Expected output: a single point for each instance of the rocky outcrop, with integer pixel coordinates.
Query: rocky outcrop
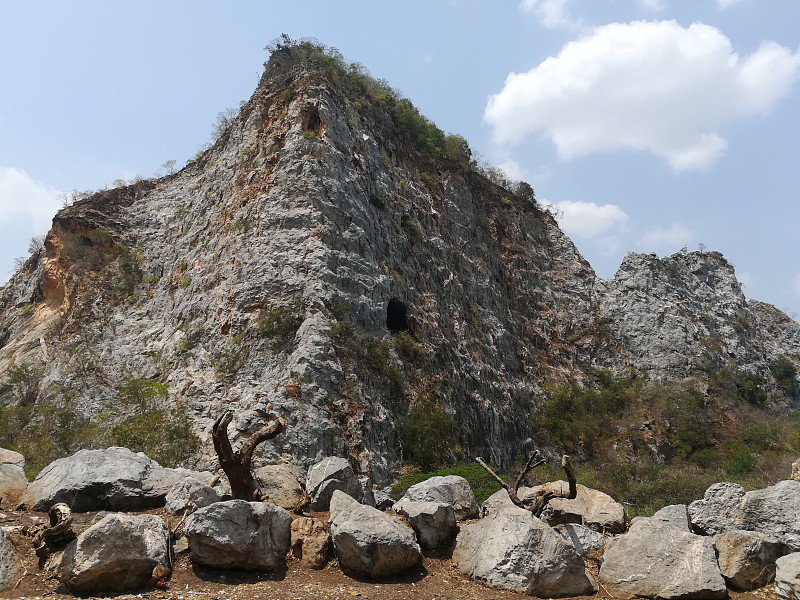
(512, 549)
(747, 558)
(452, 490)
(112, 479)
(368, 542)
(117, 554)
(773, 510)
(584, 540)
(240, 535)
(327, 476)
(661, 558)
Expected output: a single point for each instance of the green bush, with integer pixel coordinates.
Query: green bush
(141, 392)
(426, 434)
(23, 382)
(280, 323)
(784, 371)
(409, 349)
(227, 361)
(167, 438)
(483, 485)
(377, 201)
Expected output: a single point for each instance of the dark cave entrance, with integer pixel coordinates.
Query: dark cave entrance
(397, 317)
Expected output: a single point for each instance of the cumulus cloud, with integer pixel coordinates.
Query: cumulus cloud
(553, 14)
(665, 240)
(602, 224)
(23, 197)
(648, 86)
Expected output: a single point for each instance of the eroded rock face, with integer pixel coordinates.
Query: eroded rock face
(747, 558)
(512, 549)
(117, 554)
(368, 542)
(661, 559)
(773, 510)
(10, 564)
(240, 535)
(451, 489)
(112, 479)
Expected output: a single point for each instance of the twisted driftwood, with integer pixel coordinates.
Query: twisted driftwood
(543, 496)
(237, 464)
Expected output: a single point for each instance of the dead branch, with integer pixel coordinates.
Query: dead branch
(544, 495)
(237, 464)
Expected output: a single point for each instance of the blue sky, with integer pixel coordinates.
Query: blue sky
(649, 124)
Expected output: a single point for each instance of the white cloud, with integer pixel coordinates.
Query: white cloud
(602, 224)
(21, 197)
(553, 14)
(647, 86)
(663, 240)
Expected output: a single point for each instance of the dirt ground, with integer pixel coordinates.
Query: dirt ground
(435, 579)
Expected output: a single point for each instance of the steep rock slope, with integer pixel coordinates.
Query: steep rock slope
(314, 264)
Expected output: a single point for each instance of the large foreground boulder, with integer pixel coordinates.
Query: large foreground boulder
(512, 549)
(773, 510)
(10, 564)
(451, 489)
(12, 474)
(747, 558)
(327, 476)
(787, 577)
(188, 495)
(368, 542)
(237, 534)
(111, 479)
(660, 558)
(117, 554)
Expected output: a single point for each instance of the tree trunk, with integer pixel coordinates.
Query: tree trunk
(237, 464)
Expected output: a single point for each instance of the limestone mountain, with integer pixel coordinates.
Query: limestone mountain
(334, 258)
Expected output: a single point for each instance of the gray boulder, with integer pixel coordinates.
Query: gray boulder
(747, 558)
(281, 484)
(237, 534)
(787, 577)
(433, 522)
(368, 542)
(327, 476)
(12, 474)
(452, 490)
(512, 549)
(117, 554)
(674, 515)
(773, 510)
(111, 479)
(383, 499)
(188, 495)
(584, 540)
(659, 558)
(10, 565)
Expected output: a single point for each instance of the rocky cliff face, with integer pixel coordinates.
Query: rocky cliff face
(313, 264)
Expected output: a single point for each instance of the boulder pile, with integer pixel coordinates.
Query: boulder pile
(728, 540)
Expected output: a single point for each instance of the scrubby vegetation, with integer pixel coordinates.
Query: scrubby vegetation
(427, 434)
(280, 323)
